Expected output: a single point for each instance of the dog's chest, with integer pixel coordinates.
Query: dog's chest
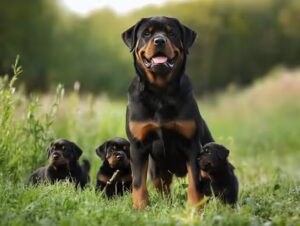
(164, 116)
(162, 111)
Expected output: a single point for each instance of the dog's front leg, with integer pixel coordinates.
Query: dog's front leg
(194, 188)
(139, 165)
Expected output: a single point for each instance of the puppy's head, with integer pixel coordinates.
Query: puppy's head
(213, 158)
(116, 152)
(63, 152)
(160, 45)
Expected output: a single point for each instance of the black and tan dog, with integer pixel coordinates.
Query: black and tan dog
(162, 118)
(114, 175)
(63, 155)
(217, 174)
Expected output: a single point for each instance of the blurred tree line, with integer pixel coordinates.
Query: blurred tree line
(237, 42)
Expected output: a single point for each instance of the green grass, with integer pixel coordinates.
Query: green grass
(260, 125)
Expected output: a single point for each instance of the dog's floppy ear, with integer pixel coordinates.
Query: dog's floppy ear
(101, 150)
(76, 151)
(48, 149)
(128, 149)
(129, 36)
(223, 152)
(188, 37)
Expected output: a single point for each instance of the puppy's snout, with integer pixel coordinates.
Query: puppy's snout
(159, 40)
(206, 165)
(56, 155)
(120, 156)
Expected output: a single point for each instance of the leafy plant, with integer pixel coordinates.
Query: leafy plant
(23, 137)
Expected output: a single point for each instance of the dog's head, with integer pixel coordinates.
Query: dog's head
(116, 152)
(63, 152)
(213, 158)
(160, 46)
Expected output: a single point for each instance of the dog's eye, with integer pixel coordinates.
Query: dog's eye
(125, 148)
(147, 34)
(114, 147)
(63, 147)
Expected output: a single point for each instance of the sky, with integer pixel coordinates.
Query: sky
(84, 7)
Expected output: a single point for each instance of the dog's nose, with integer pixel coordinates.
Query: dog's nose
(206, 166)
(159, 41)
(56, 155)
(120, 156)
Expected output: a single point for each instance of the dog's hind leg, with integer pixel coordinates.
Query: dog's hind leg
(161, 179)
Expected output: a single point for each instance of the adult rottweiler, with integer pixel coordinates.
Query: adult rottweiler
(162, 118)
(63, 155)
(217, 173)
(114, 175)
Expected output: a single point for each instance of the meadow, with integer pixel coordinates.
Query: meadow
(259, 124)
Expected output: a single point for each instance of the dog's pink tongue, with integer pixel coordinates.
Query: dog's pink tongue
(160, 59)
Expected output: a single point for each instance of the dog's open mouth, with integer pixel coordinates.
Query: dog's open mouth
(159, 59)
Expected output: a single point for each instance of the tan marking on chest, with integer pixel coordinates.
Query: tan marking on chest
(140, 130)
(186, 128)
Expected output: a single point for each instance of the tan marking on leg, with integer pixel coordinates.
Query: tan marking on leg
(194, 196)
(162, 186)
(157, 183)
(140, 195)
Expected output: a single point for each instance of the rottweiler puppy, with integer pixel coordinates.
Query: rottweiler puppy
(63, 156)
(163, 120)
(217, 174)
(114, 175)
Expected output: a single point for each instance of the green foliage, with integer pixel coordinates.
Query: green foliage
(237, 42)
(22, 137)
(261, 133)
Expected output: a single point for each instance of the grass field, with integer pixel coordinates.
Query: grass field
(260, 125)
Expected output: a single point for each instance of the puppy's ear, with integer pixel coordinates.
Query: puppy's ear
(223, 152)
(76, 151)
(130, 35)
(202, 150)
(188, 37)
(48, 149)
(101, 150)
(128, 150)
